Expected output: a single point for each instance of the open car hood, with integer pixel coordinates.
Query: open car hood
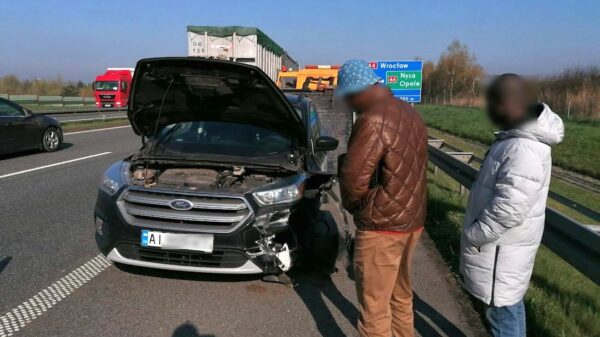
(195, 89)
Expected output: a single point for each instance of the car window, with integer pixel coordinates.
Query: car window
(106, 85)
(8, 110)
(222, 138)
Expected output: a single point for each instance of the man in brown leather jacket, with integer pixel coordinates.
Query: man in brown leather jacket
(383, 183)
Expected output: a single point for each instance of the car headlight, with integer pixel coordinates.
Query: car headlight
(279, 196)
(115, 177)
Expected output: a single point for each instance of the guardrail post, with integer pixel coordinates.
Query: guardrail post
(103, 117)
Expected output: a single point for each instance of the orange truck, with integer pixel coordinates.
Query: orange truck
(311, 78)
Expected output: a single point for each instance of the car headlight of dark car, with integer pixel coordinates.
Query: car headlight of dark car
(281, 195)
(115, 177)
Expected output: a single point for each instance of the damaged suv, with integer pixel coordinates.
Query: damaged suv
(229, 173)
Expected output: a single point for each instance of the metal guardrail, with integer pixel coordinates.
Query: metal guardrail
(82, 110)
(50, 100)
(569, 239)
(565, 201)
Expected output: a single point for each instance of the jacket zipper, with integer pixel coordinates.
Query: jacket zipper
(494, 274)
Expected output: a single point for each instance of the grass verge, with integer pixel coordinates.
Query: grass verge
(560, 302)
(90, 125)
(578, 151)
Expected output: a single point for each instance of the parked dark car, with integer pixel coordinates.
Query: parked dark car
(229, 177)
(21, 129)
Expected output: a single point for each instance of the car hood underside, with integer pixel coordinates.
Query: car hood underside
(173, 90)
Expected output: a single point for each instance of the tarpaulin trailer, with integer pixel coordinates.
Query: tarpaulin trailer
(240, 44)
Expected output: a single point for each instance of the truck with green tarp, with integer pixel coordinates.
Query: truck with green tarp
(240, 44)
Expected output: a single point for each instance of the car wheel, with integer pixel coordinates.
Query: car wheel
(51, 140)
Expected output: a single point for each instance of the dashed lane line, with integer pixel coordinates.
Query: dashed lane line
(96, 130)
(52, 165)
(17, 318)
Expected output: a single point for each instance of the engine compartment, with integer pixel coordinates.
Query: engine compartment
(235, 179)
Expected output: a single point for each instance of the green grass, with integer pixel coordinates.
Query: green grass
(560, 302)
(578, 151)
(90, 125)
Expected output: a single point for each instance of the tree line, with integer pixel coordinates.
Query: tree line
(12, 85)
(457, 79)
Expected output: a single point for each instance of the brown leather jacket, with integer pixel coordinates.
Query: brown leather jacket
(390, 138)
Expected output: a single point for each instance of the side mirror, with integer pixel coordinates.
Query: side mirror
(325, 143)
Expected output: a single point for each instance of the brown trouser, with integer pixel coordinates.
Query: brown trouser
(383, 264)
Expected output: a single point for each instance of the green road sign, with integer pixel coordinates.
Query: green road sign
(404, 80)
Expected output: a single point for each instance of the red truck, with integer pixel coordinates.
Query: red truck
(112, 88)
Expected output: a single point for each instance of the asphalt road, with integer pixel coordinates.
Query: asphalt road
(53, 283)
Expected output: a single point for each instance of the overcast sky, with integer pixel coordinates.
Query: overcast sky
(79, 39)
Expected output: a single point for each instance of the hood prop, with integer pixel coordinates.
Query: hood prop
(152, 150)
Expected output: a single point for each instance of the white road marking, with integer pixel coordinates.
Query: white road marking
(52, 165)
(17, 318)
(96, 130)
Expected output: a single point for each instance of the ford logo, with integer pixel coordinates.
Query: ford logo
(181, 204)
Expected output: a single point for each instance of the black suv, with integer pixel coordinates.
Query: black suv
(227, 177)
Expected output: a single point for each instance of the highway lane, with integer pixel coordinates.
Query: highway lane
(46, 224)
(46, 232)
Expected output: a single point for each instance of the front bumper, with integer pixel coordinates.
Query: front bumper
(233, 252)
(248, 267)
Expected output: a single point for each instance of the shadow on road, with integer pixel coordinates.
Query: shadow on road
(311, 288)
(4, 261)
(427, 319)
(188, 330)
(63, 146)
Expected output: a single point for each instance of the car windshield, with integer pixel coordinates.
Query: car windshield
(107, 85)
(219, 138)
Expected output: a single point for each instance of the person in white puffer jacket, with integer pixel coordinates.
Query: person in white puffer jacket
(504, 221)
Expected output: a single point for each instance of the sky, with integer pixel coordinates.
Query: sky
(80, 39)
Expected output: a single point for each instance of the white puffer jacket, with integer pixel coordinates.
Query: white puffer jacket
(504, 221)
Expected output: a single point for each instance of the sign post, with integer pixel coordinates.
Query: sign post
(404, 78)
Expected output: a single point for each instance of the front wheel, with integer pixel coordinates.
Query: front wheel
(51, 140)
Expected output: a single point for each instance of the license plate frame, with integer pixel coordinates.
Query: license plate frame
(177, 241)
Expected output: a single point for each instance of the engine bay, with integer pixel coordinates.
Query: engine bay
(235, 179)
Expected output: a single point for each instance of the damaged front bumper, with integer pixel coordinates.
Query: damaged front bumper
(265, 244)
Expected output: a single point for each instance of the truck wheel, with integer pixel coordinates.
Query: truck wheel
(51, 140)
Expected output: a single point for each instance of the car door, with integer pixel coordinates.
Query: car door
(15, 128)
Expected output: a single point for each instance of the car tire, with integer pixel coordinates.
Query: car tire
(52, 139)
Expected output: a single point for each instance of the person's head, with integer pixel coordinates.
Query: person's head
(359, 85)
(509, 100)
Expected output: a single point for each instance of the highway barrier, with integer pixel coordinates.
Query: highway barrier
(51, 100)
(574, 242)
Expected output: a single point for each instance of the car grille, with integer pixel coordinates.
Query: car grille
(108, 97)
(216, 259)
(209, 213)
